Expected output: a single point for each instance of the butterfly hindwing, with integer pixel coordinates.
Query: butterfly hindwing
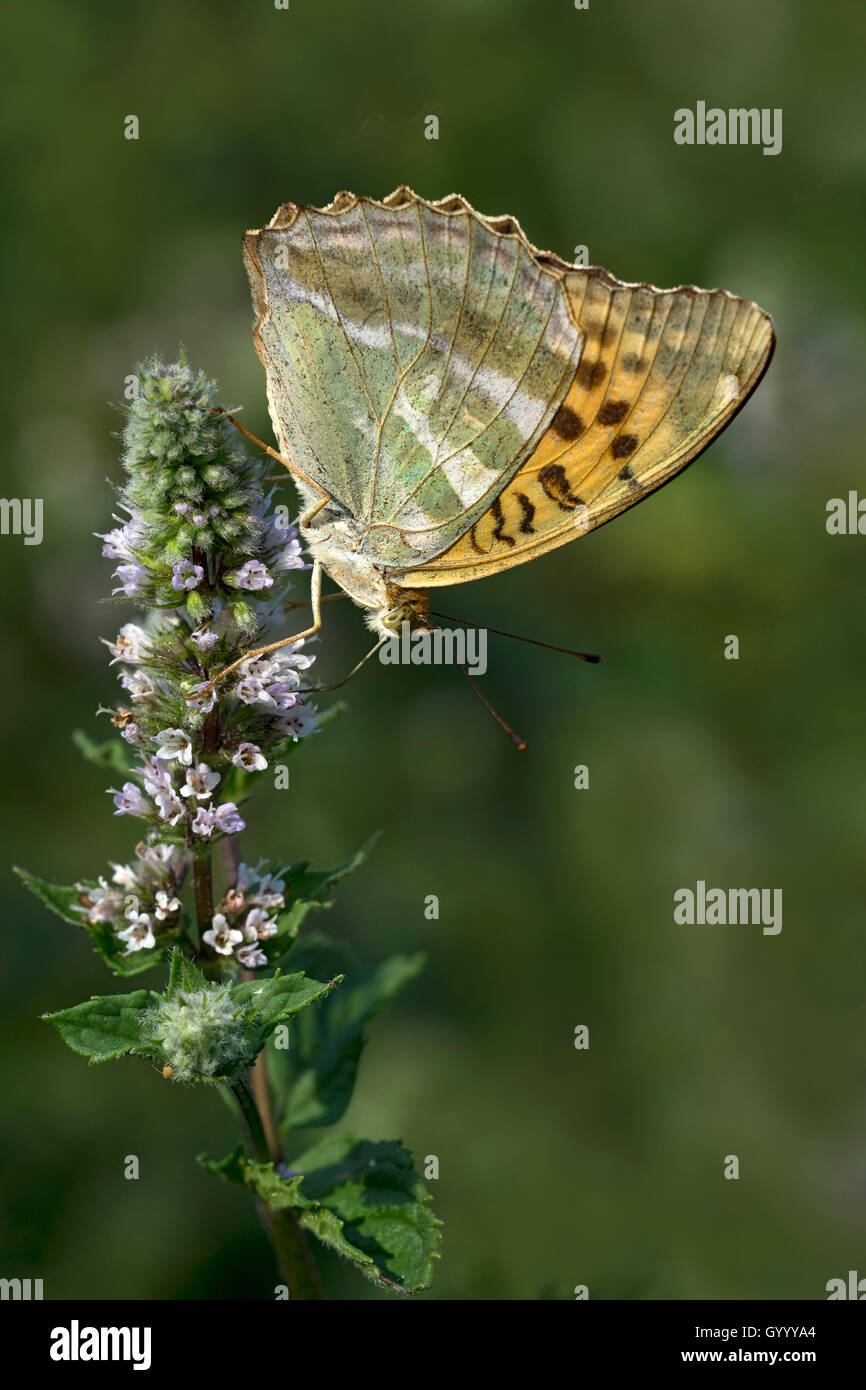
(416, 355)
(661, 374)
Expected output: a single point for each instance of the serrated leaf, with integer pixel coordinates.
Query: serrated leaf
(308, 888)
(113, 754)
(106, 1026)
(183, 974)
(381, 1202)
(232, 1168)
(64, 901)
(361, 1199)
(321, 1063)
(276, 1000)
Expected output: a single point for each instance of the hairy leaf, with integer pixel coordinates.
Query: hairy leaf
(106, 1026)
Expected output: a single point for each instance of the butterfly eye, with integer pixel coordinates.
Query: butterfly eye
(168, 1071)
(395, 619)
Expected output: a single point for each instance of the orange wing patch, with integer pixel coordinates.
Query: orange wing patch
(661, 374)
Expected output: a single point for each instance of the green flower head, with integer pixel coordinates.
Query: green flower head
(199, 1034)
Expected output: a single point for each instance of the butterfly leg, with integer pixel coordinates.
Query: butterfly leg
(272, 453)
(316, 600)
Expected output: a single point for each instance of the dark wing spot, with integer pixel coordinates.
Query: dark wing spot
(528, 510)
(632, 363)
(474, 542)
(554, 481)
(623, 445)
(591, 374)
(612, 412)
(567, 423)
(498, 533)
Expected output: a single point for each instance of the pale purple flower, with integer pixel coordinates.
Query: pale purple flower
(221, 936)
(156, 777)
(124, 875)
(259, 667)
(292, 658)
(174, 743)
(171, 808)
(130, 801)
(162, 859)
(139, 686)
(139, 934)
(299, 723)
(228, 818)
(283, 694)
(115, 547)
(131, 645)
(166, 905)
(290, 557)
(203, 822)
(123, 540)
(250, 758)
(251, 957)
(202, 701)
(105, 903)
(200, 782)
(270, 890)
(133, 578)
(252, 575)
(252, 692)
(186, 575)
(131, 733)
(205, 638)
(258, 925)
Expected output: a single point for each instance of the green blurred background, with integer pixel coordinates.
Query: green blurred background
(558, 1167)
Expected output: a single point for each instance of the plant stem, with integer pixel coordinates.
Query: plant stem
(203, 893)
(294, 1257)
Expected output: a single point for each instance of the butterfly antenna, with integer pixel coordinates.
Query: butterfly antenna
(519, 743)
(533, 641)
(318, 689)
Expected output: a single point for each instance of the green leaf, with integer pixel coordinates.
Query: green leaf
(381, 1205)
(104, 1027)
(233, 1168)
(113, 754)
(277, 1000)
(308, 888)
(361, 1199)
(322, 1060)
(184, 975)
(66, 903)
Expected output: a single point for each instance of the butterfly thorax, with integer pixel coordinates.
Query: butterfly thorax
(337, 544)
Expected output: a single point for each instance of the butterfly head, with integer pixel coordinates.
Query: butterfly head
(402, 606)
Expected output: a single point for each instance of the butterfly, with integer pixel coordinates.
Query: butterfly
(452, 402)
